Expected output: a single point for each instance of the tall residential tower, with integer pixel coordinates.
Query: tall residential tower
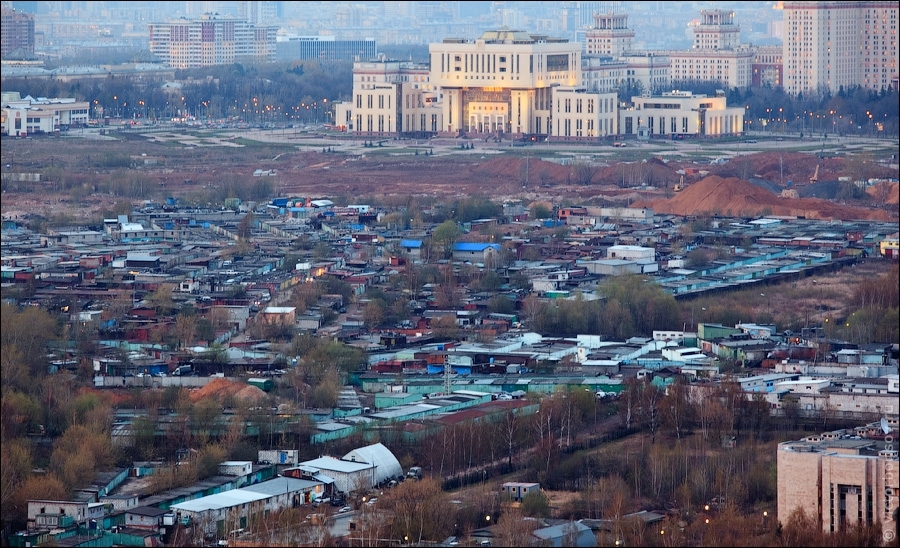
(829, 45)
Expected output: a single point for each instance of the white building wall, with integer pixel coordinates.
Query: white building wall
(578, 113)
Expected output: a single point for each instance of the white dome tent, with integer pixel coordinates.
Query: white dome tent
(387, 467)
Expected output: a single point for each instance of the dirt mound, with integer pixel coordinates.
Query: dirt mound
(250, 394)
(886, 193)
(714, 195)
(514, 168)
(219, 389)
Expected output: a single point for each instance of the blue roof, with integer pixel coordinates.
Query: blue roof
(474, 246)
(411, 243)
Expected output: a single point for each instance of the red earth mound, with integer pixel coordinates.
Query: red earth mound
(219, 389)
(733, 197)
(888, 193)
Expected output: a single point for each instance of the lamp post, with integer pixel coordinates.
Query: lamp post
(768, 308)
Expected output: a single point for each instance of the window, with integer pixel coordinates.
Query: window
(558, 62)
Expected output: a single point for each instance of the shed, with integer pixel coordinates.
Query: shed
(263, 384)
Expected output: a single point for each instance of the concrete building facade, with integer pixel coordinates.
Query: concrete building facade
(16, 31)
(610, 35)
(391, 97)
(502, 82)
(323, 48)
(829, 45)
(839, 481)
(210, 40)
(679, 114)
(716, 55)
(580, 114)
(28, 116)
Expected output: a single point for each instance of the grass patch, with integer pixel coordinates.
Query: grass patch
(250, 143)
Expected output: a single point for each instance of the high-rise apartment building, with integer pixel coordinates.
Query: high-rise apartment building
(259, 12)
(17, 31)
(210, 40)
(829, 45)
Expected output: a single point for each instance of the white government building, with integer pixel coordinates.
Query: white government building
(512, 84)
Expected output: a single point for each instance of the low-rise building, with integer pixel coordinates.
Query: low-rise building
(839, 481)
(680, 114)
(232, 509)
(28, 116)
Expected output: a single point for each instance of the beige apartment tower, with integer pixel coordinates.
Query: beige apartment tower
(211, 40)
(830, 45)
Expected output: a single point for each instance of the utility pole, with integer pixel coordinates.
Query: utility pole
(782, 167)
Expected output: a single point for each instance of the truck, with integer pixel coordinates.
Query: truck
(415, 472)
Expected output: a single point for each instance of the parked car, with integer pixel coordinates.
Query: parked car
(344, 510)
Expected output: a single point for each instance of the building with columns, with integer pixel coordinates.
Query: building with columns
(610, 35)
(512, 84)
(680, 114)
(390, 98)
(502, 82)
(717, 54)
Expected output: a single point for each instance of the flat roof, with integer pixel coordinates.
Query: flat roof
(251, 493)
(336, 465)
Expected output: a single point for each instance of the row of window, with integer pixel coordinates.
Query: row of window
(370, 101)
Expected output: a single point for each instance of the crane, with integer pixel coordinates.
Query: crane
(815, 176)
(680, 186)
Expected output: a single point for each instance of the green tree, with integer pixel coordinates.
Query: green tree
(445, 234)
(540, 211)
(535, 504)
